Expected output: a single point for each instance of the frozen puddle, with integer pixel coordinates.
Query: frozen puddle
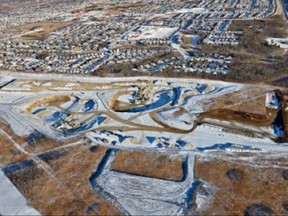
(142, 195)
(12, 201)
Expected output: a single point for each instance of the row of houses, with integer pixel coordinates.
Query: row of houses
(90, 41)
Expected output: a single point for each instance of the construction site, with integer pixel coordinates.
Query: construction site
(143, 107)
(127, 122)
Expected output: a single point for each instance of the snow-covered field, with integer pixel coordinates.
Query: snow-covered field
(12, 202)
(138, 195)
(151, 32)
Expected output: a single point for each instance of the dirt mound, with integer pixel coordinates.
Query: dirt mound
(49, 99)
(234, 174)
(93, 148)
(285, 174)
(241, 117)
(285, 207)
(258, 210)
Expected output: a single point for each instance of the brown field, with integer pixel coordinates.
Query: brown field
(254, 60)
(110, 9)
(241, 117)
(253, 55)
(40, 35)
(40, 144)
(258, 185)
(251, 99)
(114, 10)
(241, 107)
(9, 154)
(6, 128)
(43, 144)
(149, 164)
(69, 192)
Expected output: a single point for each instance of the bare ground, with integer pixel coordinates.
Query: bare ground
(149, 164)
(264, 184)
(68, 192)
(47, 27)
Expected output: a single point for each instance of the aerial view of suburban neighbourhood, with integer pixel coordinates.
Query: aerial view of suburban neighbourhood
(144, 107)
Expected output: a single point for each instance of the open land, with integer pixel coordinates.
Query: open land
(103, 142)
(150, 164)
(92, 121)
(245, 182)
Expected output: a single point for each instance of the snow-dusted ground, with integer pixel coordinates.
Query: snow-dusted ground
(5, 79)
(140, 129)
(138, 195)
(11, 98)
(202, 199)
(151, 32)
(191, 10)
(12, 202)
(18, 123)
(184, 121)
(281, 42)
(182, 51)
(174, 103)
(89, 79)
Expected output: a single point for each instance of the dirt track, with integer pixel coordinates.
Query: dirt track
(241, 117)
